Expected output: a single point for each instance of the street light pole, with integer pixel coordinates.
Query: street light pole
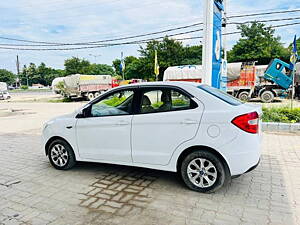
(95, 56)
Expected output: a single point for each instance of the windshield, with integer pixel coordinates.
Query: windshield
(221, 95)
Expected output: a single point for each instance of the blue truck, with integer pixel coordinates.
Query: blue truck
(280, 75)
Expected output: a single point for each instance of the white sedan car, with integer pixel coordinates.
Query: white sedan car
(205, 135)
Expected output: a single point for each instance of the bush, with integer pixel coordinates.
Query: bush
(24, 87)
(283, 115)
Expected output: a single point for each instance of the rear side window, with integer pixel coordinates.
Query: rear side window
(164, 100)
(221, 95)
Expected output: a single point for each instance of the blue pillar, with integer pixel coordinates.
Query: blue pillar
(217, 43)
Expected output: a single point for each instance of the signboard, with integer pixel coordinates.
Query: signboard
(212, 46)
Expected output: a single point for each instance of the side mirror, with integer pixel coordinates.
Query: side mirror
(83, 113)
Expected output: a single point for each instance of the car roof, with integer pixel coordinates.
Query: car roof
(164, 83)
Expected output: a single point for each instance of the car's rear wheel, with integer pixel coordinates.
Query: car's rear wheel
(203, 171)
(61, 155)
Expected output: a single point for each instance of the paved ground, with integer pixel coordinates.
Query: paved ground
(32, 192)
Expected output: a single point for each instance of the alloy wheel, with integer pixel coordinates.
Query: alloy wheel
(59, 155)
(202, 172)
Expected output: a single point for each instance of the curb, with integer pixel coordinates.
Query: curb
(285, 127)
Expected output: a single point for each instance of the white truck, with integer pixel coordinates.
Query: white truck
(54, 84)
(4, 91)
(87, 86)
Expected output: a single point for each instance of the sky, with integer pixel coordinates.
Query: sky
(71, 21)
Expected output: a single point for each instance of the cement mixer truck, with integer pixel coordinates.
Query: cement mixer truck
(244, 80)
(4, 91)
(87, 86)
(265, 82)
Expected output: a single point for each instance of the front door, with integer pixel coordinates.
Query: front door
(167, 118)
(105, 133)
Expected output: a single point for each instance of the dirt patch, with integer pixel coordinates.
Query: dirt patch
(14, 112)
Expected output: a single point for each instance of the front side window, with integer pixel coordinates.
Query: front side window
(118, 103)
(164, 100)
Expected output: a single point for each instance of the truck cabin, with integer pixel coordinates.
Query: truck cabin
(279, 72)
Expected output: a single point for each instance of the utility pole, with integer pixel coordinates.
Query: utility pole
(18, 71)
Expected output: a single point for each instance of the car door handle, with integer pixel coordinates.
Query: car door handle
(122, 123)
(187, 122)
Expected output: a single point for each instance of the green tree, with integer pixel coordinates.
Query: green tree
(32, 74)
(101, 69)
(76, 65)
(258, 43)
(128, 60)
(134, 69)
(170, 53)
(192, 55)
(116, 64)
(7, 76)
(23, 76)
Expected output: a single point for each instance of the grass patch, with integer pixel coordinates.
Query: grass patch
(60, 100)
(282, 115)
(30, 90)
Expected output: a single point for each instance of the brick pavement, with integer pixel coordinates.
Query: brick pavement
(32, 192)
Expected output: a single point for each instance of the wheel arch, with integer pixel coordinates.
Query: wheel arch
(53, 139)
(202, 147)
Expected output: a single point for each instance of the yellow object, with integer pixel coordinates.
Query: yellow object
(124, 82)
(88, 77)
(156, 66)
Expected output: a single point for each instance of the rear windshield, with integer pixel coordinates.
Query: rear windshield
(221, 95)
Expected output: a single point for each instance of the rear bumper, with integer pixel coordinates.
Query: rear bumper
(243, 154)
(249, 170)
(253, 167)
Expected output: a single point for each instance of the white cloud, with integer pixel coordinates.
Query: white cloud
(89, 20)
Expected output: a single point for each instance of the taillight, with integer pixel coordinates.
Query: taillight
(247, 122)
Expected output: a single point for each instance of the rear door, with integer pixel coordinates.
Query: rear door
(167, 117)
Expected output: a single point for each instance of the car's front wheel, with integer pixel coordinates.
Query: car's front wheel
(61, 155)
(203, 171)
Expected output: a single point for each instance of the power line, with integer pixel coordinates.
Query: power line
(107, 40)
(136, 36)
(106, 45)
(97, 43)
(265, 21)
(265, 13)
(127, 43)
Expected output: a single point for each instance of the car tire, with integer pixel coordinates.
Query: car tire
(244, 96)
(61, 155)
(267, 96)
(208, 177)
